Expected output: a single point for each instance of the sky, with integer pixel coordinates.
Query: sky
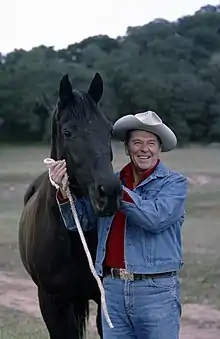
(59, 23)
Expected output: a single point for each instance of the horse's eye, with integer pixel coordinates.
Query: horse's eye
(67, 134)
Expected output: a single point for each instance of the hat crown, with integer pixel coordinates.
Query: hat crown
(149, 118)
(147, 121)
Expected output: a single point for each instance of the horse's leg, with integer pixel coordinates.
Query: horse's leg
(99, 320)
(58, 316)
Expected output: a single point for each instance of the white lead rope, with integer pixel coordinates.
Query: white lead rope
(48, 162)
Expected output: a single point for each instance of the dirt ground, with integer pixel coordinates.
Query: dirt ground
(198, 321)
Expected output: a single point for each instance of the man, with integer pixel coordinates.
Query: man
(139, 249)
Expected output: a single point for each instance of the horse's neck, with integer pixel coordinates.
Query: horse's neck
(76, 191)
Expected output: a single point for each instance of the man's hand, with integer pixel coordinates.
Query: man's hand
(57, 172)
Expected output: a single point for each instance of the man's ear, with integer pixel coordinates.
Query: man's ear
(126, 149)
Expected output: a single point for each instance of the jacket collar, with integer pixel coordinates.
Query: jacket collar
(160, 171)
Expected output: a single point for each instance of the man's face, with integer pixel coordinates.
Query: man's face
(144, 149)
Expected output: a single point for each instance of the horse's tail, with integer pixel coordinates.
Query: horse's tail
(82, 315)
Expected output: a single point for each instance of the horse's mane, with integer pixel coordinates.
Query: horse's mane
(80, 105)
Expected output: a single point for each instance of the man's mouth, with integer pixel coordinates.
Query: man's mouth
(144, 157)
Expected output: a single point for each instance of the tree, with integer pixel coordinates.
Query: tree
(170, 67)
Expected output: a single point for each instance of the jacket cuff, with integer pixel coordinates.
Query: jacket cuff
(60, 198)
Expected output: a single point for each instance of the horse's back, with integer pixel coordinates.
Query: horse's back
(31, 202)
(33, 187)
(28, 220)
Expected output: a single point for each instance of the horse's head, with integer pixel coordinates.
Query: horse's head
(81, 135)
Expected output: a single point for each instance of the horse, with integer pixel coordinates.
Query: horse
(53, 256)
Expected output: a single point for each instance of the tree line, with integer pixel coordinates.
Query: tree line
(170, 67)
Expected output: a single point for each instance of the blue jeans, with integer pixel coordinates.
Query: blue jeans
(142, 309)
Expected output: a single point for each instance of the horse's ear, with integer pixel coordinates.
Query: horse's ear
(96, 88)
(65, 90)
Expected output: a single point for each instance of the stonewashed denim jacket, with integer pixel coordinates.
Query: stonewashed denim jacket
(153, 223)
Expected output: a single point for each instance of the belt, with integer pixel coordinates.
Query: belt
(123, 274)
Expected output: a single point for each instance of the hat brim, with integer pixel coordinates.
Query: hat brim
(130, 122)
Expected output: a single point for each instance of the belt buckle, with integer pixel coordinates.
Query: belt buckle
(125, 275)
(112, 273)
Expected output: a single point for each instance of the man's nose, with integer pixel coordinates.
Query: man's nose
(145, 147)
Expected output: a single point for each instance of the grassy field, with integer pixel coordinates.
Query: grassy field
(201, 232)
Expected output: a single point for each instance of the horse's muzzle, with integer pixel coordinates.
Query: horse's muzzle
(106, 199)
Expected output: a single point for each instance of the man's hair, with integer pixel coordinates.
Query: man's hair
(128, 136)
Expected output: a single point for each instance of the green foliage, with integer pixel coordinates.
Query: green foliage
(170, 67)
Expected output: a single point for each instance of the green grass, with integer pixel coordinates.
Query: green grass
(201, 231)
(15, 324)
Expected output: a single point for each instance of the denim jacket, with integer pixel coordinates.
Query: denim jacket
(153, 223)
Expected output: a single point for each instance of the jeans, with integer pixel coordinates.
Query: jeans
(142, 309)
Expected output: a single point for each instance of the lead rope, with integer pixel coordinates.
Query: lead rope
(48, 162)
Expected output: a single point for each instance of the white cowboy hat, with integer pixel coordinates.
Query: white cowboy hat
(147, 121)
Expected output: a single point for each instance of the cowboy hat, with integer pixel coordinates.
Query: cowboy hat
(147, 121)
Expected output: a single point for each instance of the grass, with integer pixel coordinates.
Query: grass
(201, 232)
(15, 324)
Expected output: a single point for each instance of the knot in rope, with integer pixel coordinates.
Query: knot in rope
(65, 186)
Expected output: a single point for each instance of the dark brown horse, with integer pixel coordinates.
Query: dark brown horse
(52, 255)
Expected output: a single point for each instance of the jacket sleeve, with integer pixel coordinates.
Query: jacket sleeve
(155, 215)
(86, 215)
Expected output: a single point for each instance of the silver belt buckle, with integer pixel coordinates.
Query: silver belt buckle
(125, 275)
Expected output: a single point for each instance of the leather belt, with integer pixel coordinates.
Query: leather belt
(123, 274)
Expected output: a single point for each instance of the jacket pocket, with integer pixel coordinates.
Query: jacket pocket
(149, 194)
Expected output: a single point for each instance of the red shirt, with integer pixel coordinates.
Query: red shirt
(115, 242)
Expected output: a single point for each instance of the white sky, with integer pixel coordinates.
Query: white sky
(28, 23)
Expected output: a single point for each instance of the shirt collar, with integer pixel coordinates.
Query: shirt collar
(126, 174)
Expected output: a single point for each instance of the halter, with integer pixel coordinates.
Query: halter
(48, 162)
